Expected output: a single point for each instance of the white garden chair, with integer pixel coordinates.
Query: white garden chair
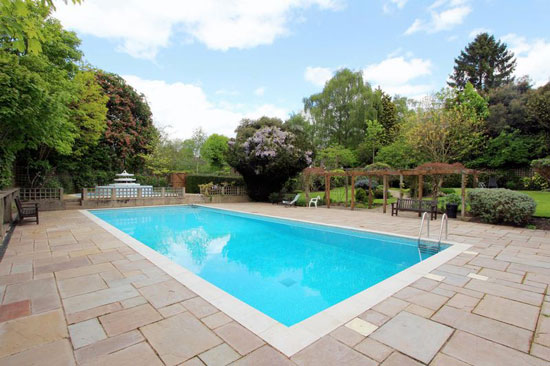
(314, 201)
(291, 203)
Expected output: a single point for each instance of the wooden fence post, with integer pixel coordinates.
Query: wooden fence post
(163, 192)
(84, 194)
(113, 193)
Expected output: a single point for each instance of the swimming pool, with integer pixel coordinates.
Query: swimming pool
(288, 270)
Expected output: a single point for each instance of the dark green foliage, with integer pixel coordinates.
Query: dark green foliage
(538, 108)
(485, 62)
(192, 181)
(510, 149)
(447, 190)
(501, 206)
(361, 195)
(388, 118)
(364, 183)
(378, 192)
(508, 108)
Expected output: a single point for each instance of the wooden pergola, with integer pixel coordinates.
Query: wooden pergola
(430, 169)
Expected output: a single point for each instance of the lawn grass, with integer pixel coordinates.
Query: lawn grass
(338, 195)
(543, 202)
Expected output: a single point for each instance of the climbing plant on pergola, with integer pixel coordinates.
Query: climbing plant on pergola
(429, 169)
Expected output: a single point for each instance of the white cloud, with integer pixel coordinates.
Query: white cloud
(260, 91)
(142, 27)
(318, 75)
(477, 31)
(444, 16)
(181, 108)
(389, 5)
(395, 75)
(533, 58)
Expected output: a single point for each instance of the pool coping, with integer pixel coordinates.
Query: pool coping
(288, 340)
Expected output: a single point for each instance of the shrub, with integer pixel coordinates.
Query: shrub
(501, 206)
(267, 154)
(535, 183)
(378, 166)
(193, 181)
(447, 190)
(364, 183)
(379, 192)
(542, 166)
(452, 198)
(361, 195)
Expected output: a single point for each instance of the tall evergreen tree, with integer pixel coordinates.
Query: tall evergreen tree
(485, 62)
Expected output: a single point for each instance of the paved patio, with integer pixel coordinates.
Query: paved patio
(72, 293)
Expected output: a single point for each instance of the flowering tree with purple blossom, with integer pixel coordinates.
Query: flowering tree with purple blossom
(266, 154)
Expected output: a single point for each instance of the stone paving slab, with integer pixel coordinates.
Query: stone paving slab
(413, 335)
(70, 272)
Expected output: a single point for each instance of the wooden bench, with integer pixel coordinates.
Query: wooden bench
(26, 210)
(420, 206)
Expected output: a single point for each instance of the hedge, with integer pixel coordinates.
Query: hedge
(501, 206)
(192, 181)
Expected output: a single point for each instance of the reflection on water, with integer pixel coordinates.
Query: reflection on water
(192, 247)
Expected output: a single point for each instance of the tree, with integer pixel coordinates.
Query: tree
(508, 108)
(400, 155)
(266, 154)
(339, 112)
(538, 108)
(510, 149)
(388, 119)
(130, 128)
(336, 157)
(42, 98)
(373, 141)
(214, 150)
(485, 62)
(445, 135)
(20, 30)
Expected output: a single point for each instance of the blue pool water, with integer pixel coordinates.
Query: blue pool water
(286, 269)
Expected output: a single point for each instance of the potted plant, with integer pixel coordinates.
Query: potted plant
(451, 204)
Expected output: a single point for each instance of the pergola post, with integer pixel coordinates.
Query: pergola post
(385, 180)
(353, 192)
(370, 191)
(327, 189)
(400, 185)
(420, 188)
(476, 180)
(346, 180)
(306, 188)
(463, 195)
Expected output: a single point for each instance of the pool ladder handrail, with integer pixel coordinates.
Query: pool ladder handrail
(422, 226)
(444, 220)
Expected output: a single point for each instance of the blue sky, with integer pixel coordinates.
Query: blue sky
(210, 63)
